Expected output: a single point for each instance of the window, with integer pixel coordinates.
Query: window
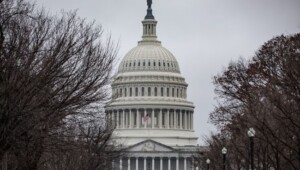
(162, 91)
(125, 90)
(154, 64)
(173, 92)
(139, 64)
(136, 91)
(164, 64)
(159, 64)
(149, 91)
(168, 65)
(149, 63)
(144, 63)
(130, 91)
(121, 93)
(168, 92)
(129, 64)
(177, 93)
(134, 64)
(155, 91)
(143, 91)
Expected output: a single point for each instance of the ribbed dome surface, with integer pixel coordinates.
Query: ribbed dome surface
(149, 57)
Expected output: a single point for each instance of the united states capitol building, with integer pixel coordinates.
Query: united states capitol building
(149, 109)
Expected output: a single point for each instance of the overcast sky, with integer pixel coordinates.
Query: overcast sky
(204, 35)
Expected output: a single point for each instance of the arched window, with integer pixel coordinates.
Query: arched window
(149, 91)
(136, 91)
(162, 91)
(143, 91)
(155, 91)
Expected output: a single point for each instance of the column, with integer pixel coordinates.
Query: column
(153, 163)
(175, 119)
(169, 163)
(121, 164)
(128, 163)
(184, 163)
(193, 164)
(137, 118)
(180, 118)
(160, 118)
(152, 118)
(118, 113)
(145, 163)
(192, 120)
(130, 119)
(185, 120)
(123, 119)
(188, 120)
(177, 163)
(161, 163)
(136, 163)
(145, 123)
(113, 165)
(168, 119)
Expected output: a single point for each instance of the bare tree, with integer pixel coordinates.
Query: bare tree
(54, 70)
(263, 93)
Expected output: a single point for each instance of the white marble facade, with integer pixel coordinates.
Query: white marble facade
(149, 109)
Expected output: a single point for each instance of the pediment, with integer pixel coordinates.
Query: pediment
(150, 146)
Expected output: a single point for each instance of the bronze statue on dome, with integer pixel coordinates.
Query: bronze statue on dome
(149, 3)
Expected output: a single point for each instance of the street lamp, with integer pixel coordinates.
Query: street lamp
(224, 152)
(251, 134)
(207, 163)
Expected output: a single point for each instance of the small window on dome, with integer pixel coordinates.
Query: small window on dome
(168, 92)
(164, 64)
(158, 64)
(134, 64)
(130, 92)
(139, 64)
(173, 92)
(136, 91)
(162, 91)
(177, 93)
(129, 64)
(155, 91)
(154, 64)
(168, 65)
(149, 63)
(125, 90)
(144, 63)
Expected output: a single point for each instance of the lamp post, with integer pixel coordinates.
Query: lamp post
(207, 163)
(224, 152)
(251, 134)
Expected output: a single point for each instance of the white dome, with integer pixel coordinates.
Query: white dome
(149, 56)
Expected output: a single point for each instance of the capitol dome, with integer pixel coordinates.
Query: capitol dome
(149, 98)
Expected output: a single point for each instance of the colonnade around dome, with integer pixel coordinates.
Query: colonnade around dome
(151, 118)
